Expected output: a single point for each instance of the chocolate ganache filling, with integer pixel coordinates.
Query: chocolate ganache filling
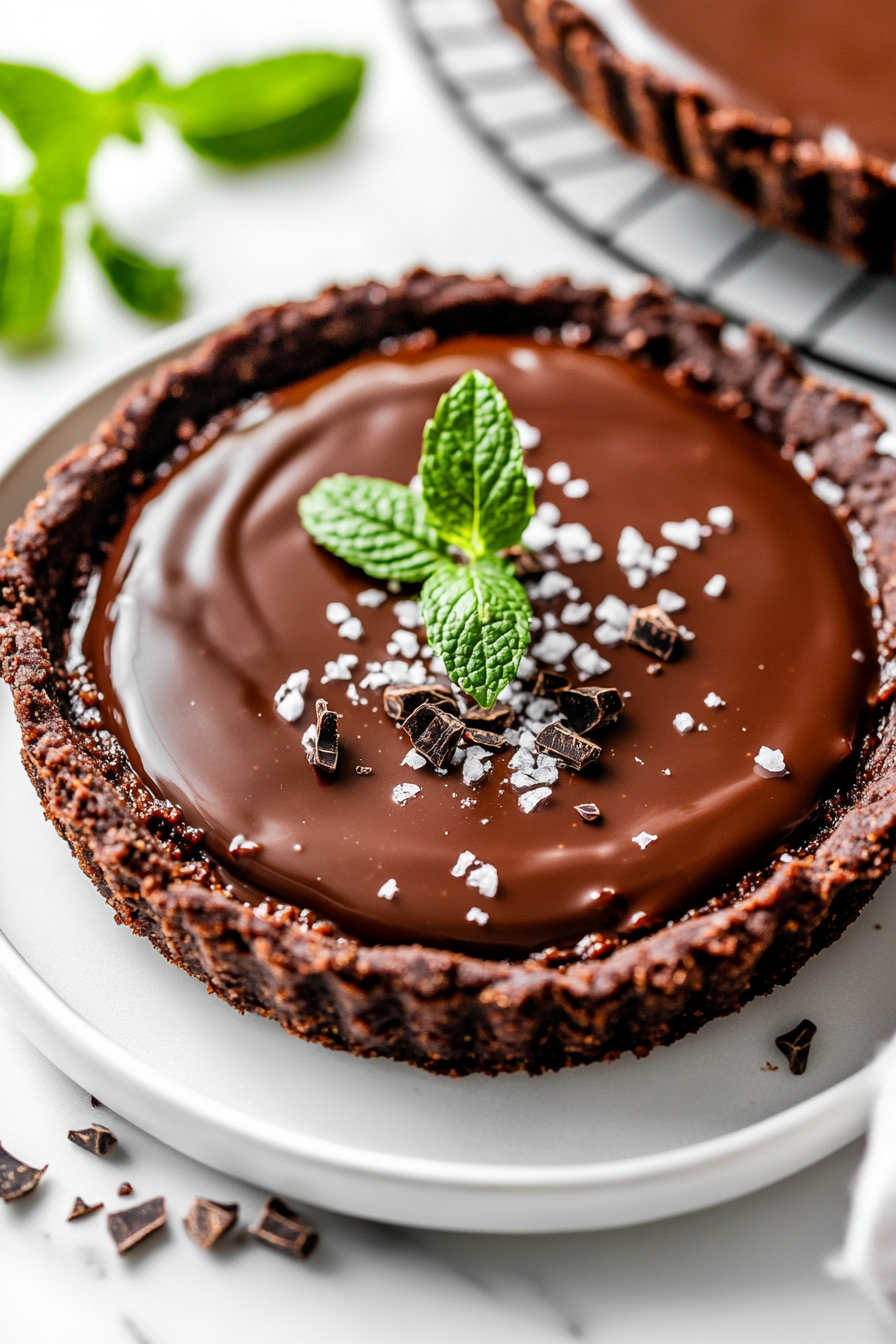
(212, 595)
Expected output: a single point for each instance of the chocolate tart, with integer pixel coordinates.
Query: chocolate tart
(472, 998)
(752, 121)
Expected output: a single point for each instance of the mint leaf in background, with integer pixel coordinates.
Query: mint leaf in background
(377, 525)
(474, 482)
(477, 620)
(155, 291)
(30, 264)
(247, 114)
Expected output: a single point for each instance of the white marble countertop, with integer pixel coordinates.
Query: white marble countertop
(405, 185)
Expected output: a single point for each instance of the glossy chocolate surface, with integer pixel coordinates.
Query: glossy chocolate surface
(213, 594)
(820, 63)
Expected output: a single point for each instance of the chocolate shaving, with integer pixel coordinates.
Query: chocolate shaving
(434, 733)
(16, 1178)
(207, 1221)
(125, 1189)
(280, 1226)
(494, 720)
(588, 811)
(650, 629)
(795, 1045)
(363, 769)
(95, 1139)
(80, 1209)
(326, 747)
(547, 684)
(570, 748)
(483, 738)
(399, 702)
(127, 1227)
(587, 707)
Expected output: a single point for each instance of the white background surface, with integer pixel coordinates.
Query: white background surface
(405, 185)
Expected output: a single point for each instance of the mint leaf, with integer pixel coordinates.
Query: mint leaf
(30, 264)
(474, 483)
(377, 525)
(477, 620)
(155, 291)
(247, 114)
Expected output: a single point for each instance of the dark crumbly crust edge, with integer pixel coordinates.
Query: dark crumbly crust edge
(446, 1012)
(849, 203)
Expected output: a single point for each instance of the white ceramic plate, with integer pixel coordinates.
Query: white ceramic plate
(602, 1146)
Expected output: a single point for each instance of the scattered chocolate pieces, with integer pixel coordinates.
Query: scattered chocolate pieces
(127, 1227)
(795, 1045)
(571, 749)
(494, 720)
(588, 811)
(95, 1139)
(207, 1221)
(125, 1189)
(16, 1178)
(326, 747)
(399, 702)
(482, 738)
(587, 707)
(651, 629)
(434, 733)
(281, 1227)
(79, 1209)
(547, 684)
(363, 769)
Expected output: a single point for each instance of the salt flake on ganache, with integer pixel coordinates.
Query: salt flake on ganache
(771, 760)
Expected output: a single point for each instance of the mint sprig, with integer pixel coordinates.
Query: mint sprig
(475, 499)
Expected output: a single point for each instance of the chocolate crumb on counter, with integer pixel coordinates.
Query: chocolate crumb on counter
(127, 1227)
(497, 719)
(587, 707)
(481, 737)
(795, 1045)
(326, 746)
(399, 702)
(547, 684)
(125, 1189)
(16, 1178)
(80, 1209)
(651, 629)
(363, 769)
(588, 811)
(281, 1227)
(95, 1139)
(434, 733)
(570, 748)
(206, 1221)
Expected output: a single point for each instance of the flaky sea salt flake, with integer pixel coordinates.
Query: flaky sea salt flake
(771, 760)
(484, 879)
(464, 859)
(402, 792)
(476, 916)
(683, 723)
(643, 839)
(389, 890)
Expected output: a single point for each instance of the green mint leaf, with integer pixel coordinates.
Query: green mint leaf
(247, 114)
(474, 483)
(377, 525)
(30, 264)
(155, 291)
(477, 620)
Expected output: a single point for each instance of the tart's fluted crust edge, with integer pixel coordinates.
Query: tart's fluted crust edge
(446, 1012)
(847, 202)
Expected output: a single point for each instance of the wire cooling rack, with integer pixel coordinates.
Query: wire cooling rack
(841, 316)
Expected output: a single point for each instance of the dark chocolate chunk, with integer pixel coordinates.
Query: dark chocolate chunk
(795, 1045)
(547, 684)
(525, 562)
(125, 1189)
(650, 629)
(281, 1226)
(363, 769)
(434, 733)
(16, 1178)
(654, 669)
(326, 748)
(588, 811)
(95, 1139)
(587, 707)
(494, 720)
(129, 1226)
(483, 738)
(206, 1221)
(399, 702)
(570, 748)
(79, 1209)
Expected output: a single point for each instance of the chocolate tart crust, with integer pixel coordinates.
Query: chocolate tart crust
(787, 182)
(446, 1012)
